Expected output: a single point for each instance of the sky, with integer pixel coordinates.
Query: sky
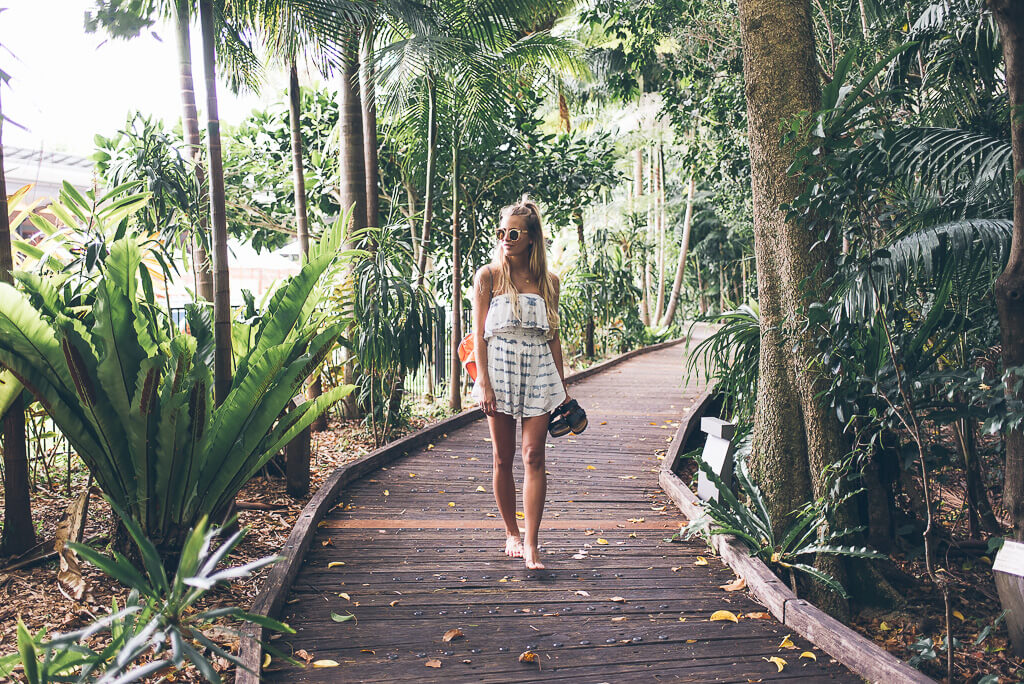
(67, 85)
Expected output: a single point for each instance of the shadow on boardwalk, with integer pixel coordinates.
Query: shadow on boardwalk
(421, 548)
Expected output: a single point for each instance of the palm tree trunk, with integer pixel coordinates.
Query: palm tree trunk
(455, 389)
(684, 246)
(352, 166)
(659, 219)
(588, 327)
(563, 112)
(221, 284)
(1009, 287)
(190, 131)
(428, 194)
(19, 534)
(368, 95)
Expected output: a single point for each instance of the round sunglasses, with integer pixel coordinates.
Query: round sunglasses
(512, 233)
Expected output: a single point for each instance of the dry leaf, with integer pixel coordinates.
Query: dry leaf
(735, 585)
(325, 663)
(636, 520)
(335, 564)
(787, 643)
(452, 634)
(761, 615)
(724, 615)
(701, 560)
(451, 504)
(266, 660)
(958, 615)
(591, 468)
(581, 593)
(481, 489)
(394, 603)
(691, 641)
(617, 599)
(520, 515)
(387, 493)
(587, 533)
(620, 618)
(433, 663)
(779, 662)
(412, 474)
(808, 654)
(304, 655)
(530, 657)
(604, 422)
(602, 541)
(367, 650)
(884, 627)
(345, 596)
(71, 528)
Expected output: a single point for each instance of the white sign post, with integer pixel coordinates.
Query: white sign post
(717, 454)
(1009, 573)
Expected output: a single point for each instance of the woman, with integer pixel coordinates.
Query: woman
(519, 366)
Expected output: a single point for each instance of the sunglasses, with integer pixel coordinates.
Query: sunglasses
(512, 233)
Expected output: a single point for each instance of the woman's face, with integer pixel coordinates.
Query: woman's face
(510, 248)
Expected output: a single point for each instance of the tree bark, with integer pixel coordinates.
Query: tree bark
(1009, 287)
(455, 389)
(352, 190)
(190, 131)
(684, 247)
(428, 181)
(221, 284)
(563, 112)
(368, 95)
(659, 222)
(19, 534)
(588, 327)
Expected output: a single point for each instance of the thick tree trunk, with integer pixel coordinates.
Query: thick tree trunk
(1009, 287)
(455, 389)
(428, 181)
(19, 534)
(352, 190)
(190, 130)
(221, 284)
(368, 95)
(684, 246)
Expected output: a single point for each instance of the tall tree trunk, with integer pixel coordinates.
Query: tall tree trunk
(428, 181)
(563, 112)
(702, 300)
(455, 389)
(19, 534)
(190, 130)
(659, 219)
(684, 247)
(588, 327)
(368, 95)
(221, 283)
(352, 165)
(1009, 287)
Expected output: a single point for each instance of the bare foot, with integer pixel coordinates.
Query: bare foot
(532, 557)
(514, 546)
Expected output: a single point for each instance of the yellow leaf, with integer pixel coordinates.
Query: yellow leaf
(429, 447)
(412, 474)
(736, 585)
(808, 654)
(621, 618)
(345, 596)
(632, 535)
(452, 634)
(492, 515)
(325, 663)
(367, 650)
(779, 662)
(387, 493)
(761, 615)
(451, 504)
(602, 541)
(591, 468)
(701, 560)
(787, 643)
(394, 603)
(724, 615)
(618, 599)
(520, 515)
(883, 627)
(677, 568)
(958, 615)
(691, 641)
(636, 521)
(433, 662)
(529, 657)
(266, 660)
(587, 533)
(481, 489)
(335, 564)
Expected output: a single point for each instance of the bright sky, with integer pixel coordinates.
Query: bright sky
(67, 85)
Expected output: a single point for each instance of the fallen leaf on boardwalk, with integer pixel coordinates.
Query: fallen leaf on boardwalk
(632, 535)
(304, 655)
(677, 568)
(345, 596)
(529, 657)
(451, 504)
(627, 477)
(368, 650)
(691, 641)
(621, 618)
(617, 599)
(433, 663)
(958, 615)
(325, 663)
(394, 603)
(492, 515)
(452, 634)
(787, 643)
(701, 560)
(387, 493)
(579, 556)
(581, 593)
(327, 542)
(412, 474)
(342, 618)
(777, 661)
(473, 458)
(652, 423)
(636, 521)
(266, 660)
(591, 468)
(735, 585)
(604, 422)
(335, 564)
(587, 533)
(761, 615)
(808, 654)
(481, 489)
(520, 515)
(602, 541)
(724, 615)
(658, 508)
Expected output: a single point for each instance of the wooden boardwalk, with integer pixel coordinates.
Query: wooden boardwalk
(421, 550)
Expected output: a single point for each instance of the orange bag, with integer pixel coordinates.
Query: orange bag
(467, 356)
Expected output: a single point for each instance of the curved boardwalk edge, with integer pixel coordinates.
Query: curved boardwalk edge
(853, 650)
(275, 587)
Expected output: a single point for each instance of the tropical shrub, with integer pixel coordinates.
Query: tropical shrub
(159, 621)
(729, 357)
(134, 396)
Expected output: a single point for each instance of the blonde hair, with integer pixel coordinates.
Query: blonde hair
(538, 262)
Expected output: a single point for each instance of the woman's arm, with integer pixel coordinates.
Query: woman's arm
(481, 303)
(555, 343)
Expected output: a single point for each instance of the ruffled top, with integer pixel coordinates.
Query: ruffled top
(501, 316)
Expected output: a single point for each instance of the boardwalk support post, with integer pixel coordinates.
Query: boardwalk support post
(1008, 569)
(717, 454)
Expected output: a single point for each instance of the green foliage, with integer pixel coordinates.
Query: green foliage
(159, 626)
(729, 357)
(134, 396)
(810, 533)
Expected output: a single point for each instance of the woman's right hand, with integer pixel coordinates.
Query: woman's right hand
(490, 402)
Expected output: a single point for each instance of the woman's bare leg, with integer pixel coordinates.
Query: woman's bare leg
(535, 484)
(503, 442)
